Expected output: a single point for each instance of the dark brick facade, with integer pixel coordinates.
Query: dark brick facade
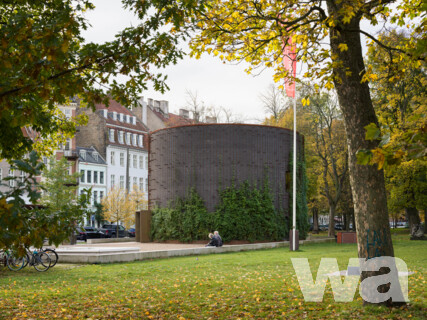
(210, 156)
(95, 133)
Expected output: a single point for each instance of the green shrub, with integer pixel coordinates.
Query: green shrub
(184, 220)
(302, 209)
(244, 212)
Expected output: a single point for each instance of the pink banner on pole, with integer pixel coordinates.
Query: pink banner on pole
(290, 64)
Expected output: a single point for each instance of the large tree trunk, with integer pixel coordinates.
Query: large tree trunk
(416, 230)
(315, 220)
(367, 182)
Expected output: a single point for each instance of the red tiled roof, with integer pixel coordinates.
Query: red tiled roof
(113, 106)
(172, 119)
(176, 120)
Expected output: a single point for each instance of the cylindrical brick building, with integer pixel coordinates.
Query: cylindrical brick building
(209, 157)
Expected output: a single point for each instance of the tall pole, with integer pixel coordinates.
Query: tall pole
(294, 190)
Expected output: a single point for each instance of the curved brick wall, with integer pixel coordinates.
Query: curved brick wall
(209, 156)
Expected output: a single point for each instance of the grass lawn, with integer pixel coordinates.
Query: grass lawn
(247, 285)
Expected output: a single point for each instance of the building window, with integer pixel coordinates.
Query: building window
(89, 176)
(122, 182)
(146, 185)
(67, 113)
(146, 162)
(83, 154)
(122, 159)
(68, 144)
(95, 155)
(95, 197)
(95, 177)
(11, 182)
(135, 182)
(141, 184)
(135, 157)
(113, 180)
(127, 137)
(112, 158)
(101, 177)
(140, 140)
(82, 176)
(121, 136)
(112, 135)
(134, 139)
(101, 196)
(22, 176)
(141, 162)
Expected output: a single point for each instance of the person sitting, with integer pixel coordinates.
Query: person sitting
(213, 242)
(218, 238)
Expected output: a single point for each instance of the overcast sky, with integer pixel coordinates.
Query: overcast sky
(216, 83)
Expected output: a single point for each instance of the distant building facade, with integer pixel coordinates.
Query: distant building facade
(155, 115)
(93, 174)
(121, 138)
(67, 149)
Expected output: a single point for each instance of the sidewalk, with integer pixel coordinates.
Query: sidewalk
(135, 251)
(150, 246)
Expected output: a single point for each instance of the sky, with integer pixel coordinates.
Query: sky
(218, 84)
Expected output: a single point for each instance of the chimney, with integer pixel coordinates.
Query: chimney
(164, 106)
(141, 113)
(150, 103)
(184, 113)
(157, 105)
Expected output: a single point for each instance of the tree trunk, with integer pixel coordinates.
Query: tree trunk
(367, 182)
(315, 220)
(346, 221)
(331, 231)
(416, 230)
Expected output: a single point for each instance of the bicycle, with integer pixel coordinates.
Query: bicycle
(38, 259)
(52, 255)
(13, 262)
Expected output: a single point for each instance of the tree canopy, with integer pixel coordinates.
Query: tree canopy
(399, 97)
(46, 62)
(22, 224)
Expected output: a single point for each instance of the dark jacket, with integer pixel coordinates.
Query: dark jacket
(213, 242)
(218, 241)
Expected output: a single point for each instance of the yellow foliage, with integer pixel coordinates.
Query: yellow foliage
(343, 47)
(120, 205)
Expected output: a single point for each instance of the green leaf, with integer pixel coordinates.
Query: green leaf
(372, 132)
(364, 157)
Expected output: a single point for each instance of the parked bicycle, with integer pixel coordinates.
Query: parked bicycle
(38, 259)
(11, 260)
(52, 255)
